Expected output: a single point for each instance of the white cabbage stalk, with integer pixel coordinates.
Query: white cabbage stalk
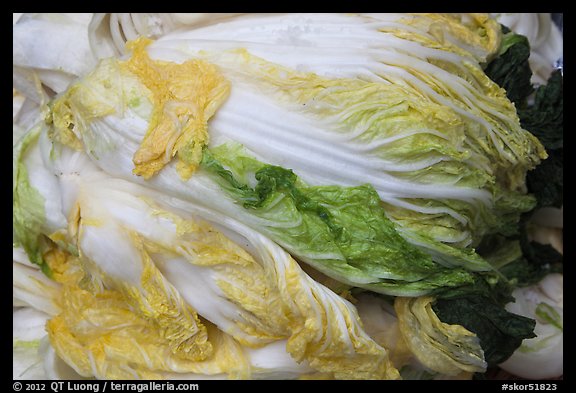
(38, 57)
(28, 337)
(108, 33)
(33, 301)
(56, 62)
(31, 287)
(381, 323)
(540, 357)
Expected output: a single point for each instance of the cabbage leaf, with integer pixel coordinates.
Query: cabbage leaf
(341, 231)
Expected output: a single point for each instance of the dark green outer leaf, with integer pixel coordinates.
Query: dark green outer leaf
(500, 332)
(511, 70)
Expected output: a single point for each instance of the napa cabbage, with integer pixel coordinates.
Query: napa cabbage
(218, 200)
(446, 157)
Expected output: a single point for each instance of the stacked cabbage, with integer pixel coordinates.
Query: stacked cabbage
(219, 201)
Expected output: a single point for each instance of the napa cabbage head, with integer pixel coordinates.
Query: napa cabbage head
(398, 267)
(411, 133)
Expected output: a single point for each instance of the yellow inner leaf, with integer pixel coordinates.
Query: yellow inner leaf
(185, 97)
